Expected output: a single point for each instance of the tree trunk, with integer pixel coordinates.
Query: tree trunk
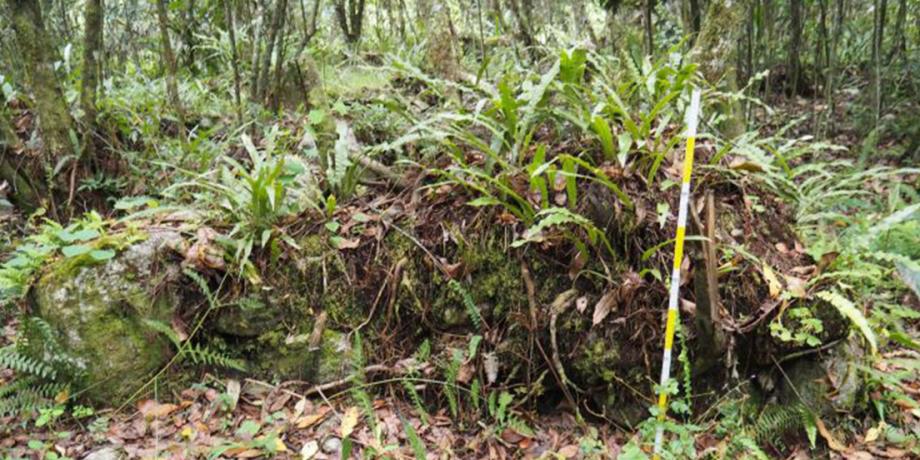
(716, 50)
(188, 35)
(794, 47)
(273, 32)
(54, 120)
(25, 191)
(878, 37)
(649, 27)
(279, 60)
(350, 14)
(897, 42)
(92, 50)
(234, 60)
(169, 59)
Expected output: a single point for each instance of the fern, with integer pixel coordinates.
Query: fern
(198, 353)
(358, 391)
(555, 216)
(418, 447)
(43, 371)
(11, 358)
(777, 420)
(848, 310)
(451, 373)
(471, 309)
(475, 389)
(201, 354)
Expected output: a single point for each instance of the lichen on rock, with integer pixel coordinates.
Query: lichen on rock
(99, 312)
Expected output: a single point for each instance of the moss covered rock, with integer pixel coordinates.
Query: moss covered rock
(101, 313)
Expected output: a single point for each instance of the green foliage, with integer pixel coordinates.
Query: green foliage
(44, 372)
(471, 309)
(86, 241)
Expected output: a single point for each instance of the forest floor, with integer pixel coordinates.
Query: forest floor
(249, 419)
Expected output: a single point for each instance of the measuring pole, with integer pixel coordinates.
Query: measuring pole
(693, 115)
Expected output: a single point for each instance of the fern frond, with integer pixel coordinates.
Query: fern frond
(471, 309)
(11, 358)
(849, 311)
(201, 354)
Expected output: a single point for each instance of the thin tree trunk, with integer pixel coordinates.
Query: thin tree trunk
(234, 60)
(878, 37)
(716, 49)
(822, 57)
(795, 47)
(768, 21)
(169, 60)
(649, 27)
(25, 194)
(265, 67)
(897, 41)
(54, 120)
(832, 65)
(279, 60)
(188, 34)
(92, 50)
(255, 39)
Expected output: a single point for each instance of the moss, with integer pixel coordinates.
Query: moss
(598, 360)
(286, 357)
(100, 313)
(248, 317)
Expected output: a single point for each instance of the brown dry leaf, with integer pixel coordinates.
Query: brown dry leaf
(346, 243)
(604, 306)
(243, 452)
(858, 455)
(152, 409)
(233, 390)
(832, 442)
(465, 373)
(581, 304)
(569, 451)
(511, 436)
(309, 420)
(795, 286)
(506, 218)
(578, 262)
(872, 435)
(179, 328)
(741, 164)
(349, 422)
(772, 281)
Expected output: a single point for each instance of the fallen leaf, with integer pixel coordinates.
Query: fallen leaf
(309, 450)
(581, 304)
(345, 243)
(349, 422)
(604, 306)
(741, 164)
(832, 442)
(152, 409)
(280, 446)
(309, 420)
(233, 390)
(772, 281)
(490, 363)
(871, 435)
(569, 451)
(795, 286)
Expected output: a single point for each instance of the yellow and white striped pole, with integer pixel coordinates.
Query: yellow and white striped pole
(693, 115)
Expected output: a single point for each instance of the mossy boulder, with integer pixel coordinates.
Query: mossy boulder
(293, 357)
(101, 313)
